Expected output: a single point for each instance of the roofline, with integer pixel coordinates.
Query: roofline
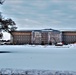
(68, 31)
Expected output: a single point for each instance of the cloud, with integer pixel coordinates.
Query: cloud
(40, 4)
(32, 21)
(28, 23)
(56, 1)
(41, 13)
(15, 2)
(55, 22)
(73, 7)
(58, 12)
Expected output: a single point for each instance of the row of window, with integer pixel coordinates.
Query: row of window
(69, 38)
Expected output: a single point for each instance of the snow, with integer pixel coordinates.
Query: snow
(6, 36)
(27, 57)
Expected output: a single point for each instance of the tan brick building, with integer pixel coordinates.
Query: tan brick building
(35, 37)
(69, 37)
(21, 37)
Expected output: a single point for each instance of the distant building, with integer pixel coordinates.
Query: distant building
(55, 37)
(21, 37)
(44, 37)
(38, 37)
(69, 37)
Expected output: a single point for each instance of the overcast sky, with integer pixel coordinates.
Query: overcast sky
(40, 14)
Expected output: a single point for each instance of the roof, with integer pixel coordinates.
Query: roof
(44, 30)
(68, 31)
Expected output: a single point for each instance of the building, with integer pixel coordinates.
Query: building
(21, 37)
(37, 37)
(69, 37)
(44, 37)
(36, 34)
(55, 37)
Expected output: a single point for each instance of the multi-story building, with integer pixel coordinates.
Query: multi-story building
(55, 37)
(69, 37)
(36, 37)
(45, 36)
(21, 37)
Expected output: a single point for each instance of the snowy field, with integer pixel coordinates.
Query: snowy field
(33, 57)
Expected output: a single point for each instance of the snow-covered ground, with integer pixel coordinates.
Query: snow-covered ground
(29, 57)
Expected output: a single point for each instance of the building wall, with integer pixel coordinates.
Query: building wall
(35, 37)
(44, 37)
(69, 37)
(55, 37)
(21, 37)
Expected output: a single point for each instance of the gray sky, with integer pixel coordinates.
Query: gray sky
(40, 14)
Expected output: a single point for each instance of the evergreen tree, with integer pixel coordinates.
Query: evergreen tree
(6, 24)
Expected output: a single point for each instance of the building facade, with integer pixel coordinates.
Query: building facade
(55, 37)
(21, 37)
(44, 37)
(36, 37)
(69, 37)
